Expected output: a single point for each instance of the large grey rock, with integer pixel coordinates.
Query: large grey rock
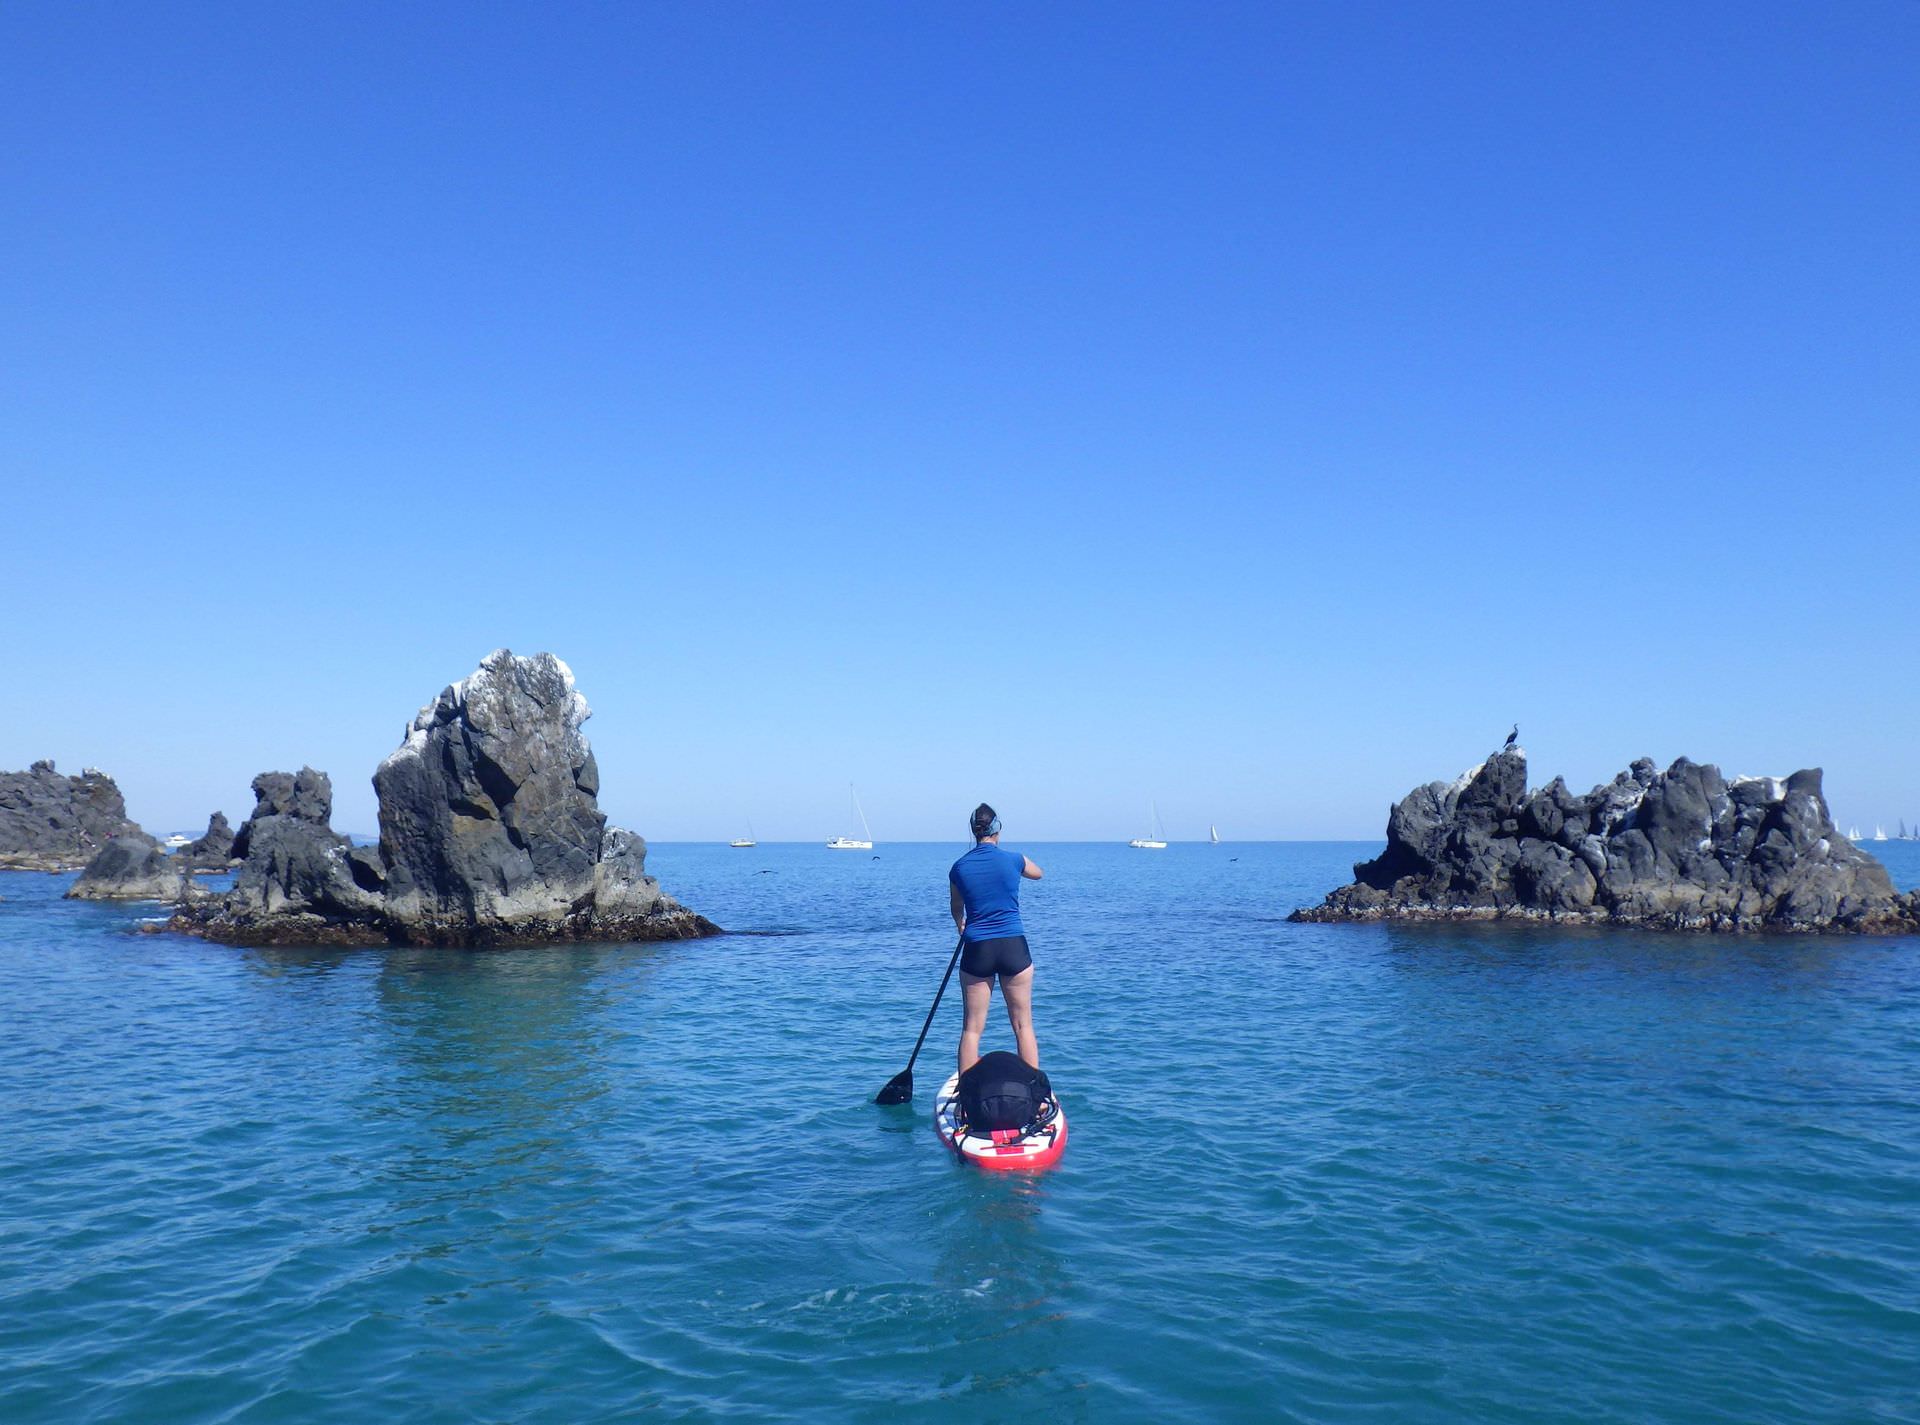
(132, 867)
(212, 851)
(53, 823)
(490, 834)
(298, 882)
(1682, 849)
(487, 809)
(305, 795)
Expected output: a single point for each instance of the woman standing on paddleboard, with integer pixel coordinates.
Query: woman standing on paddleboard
(984, 891)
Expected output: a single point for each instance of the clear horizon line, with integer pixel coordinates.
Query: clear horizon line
(1052, 841)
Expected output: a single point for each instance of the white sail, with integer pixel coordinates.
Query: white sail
(1213, 835)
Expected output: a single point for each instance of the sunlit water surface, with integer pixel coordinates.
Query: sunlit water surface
(1318, 1173)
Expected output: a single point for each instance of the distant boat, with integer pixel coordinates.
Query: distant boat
(746, 840)
(1213, 835)
(1853, 833)
(1154, 840)
(848, 843)
(177, 840)
(1879, 835)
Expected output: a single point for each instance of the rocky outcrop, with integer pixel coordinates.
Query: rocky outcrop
(490, 834)
(1683, 849)
(212, 851)
(305, 795)
(132, 867)
(299, 881)
(53, 823)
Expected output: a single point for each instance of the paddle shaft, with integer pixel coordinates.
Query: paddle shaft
(932, 1008)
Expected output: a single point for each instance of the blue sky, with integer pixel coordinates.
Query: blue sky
(1253, 408)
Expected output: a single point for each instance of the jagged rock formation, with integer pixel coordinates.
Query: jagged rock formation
(133, 867)
(213, 850)
(490, 834)
(1683, 849)
(53, 823)
(297, 879)
(305, 795)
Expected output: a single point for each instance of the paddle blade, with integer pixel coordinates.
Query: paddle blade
(899, 1089)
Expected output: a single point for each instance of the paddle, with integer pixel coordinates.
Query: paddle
(899, 1088)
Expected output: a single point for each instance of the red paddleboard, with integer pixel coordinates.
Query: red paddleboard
(1006, 1149)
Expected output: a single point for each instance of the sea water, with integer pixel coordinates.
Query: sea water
(1317, 1173)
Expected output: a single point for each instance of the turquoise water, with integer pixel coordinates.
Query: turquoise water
(1318, 1173)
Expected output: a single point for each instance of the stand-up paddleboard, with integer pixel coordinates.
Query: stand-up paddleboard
(1002, 1150)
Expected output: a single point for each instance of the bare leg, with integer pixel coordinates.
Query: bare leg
(976, 994)
(1018, 993)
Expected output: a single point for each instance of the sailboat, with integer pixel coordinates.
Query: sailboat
(1853, 833)
(746, 840)
(1213, 835)
(1879, 834)
(1155, 840)
(848, 843)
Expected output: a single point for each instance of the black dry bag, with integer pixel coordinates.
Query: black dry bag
(1003, 1091)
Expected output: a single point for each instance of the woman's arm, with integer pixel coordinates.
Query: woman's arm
(1028, 869)
(958, 906)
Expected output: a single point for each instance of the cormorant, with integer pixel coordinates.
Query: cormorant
(1512, 737)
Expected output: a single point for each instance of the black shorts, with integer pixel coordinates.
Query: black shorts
(983, 959)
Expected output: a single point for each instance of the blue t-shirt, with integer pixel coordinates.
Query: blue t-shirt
(989, 882)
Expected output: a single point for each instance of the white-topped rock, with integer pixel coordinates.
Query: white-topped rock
(490, 834)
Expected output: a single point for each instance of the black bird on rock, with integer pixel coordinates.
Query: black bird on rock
(1512, 737)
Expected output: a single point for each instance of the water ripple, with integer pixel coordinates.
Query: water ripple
(1447, 1173)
